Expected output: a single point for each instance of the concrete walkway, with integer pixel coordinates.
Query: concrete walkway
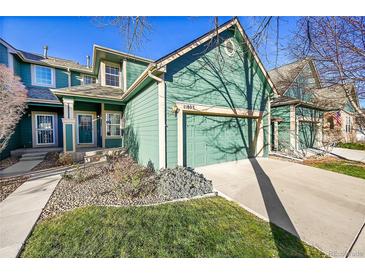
(349, 154)
(20, 211)
(25, 164)
(325, 209)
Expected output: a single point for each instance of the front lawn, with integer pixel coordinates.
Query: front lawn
(358, 146)
(210, 227)
(341, 166)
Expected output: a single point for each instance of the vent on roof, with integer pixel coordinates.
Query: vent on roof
(87, 61)
(45, 51)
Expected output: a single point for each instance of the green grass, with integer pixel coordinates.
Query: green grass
(344, 167)
(358, 146)
(210, 227)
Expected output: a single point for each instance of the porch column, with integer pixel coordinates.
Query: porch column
(319, 135)
(293, 137)
(103, 125)
(260, 137)
(69, 133)
(276, 135)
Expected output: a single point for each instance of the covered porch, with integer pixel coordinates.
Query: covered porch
(93, 118)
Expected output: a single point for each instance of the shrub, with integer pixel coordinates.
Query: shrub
(182, 182)
(134, 181)
(65, 159)
(83, 173)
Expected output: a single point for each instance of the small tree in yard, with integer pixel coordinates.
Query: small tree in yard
(12, 103)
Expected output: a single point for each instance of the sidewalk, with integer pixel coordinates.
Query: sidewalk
(26, 163)
(20, 211)
(349, 154)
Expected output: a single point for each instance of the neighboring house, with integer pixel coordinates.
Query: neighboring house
(340, 123)
(296, 122)
(205, 103)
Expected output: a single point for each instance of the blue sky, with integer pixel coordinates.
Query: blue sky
(73, 37)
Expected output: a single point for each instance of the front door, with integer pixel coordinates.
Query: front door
(45, 129)
(85, 129)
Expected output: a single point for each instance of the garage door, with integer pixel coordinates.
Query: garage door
(211, 139)
(307, 134)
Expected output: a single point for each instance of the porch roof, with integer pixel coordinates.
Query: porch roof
(91, 91)
(286, 100)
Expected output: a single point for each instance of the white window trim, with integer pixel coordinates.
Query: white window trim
(83, 78)
(115, 65)
(106, 125)
(92, 114)
(53, 77)
(36, 114)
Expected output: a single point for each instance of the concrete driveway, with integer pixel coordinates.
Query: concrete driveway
(323, 208)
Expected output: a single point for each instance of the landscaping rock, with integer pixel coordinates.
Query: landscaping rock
(182, 182)
(122, 182)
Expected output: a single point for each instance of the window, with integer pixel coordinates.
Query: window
(348, 124)
(44, 129)
(113, 127)
(87, 79)
(112, 76)
(43, 76)
(229, 47)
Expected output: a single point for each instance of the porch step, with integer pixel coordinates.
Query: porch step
(22, 151)
(33, 156)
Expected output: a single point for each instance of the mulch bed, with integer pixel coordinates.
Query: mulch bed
(9, 185)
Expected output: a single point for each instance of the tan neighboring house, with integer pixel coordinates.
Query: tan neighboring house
(340, 121)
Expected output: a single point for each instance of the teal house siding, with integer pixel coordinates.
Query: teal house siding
(75, 78)
(110, 143)
(22, 136)
(134, 69)
(69, 137)
(17, 66)
(348, 107)
(282, 112)
(3, 55)
(208, 75)
(300, 88)
(61, 78)
(141, 129)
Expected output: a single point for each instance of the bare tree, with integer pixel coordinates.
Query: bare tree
(134, 29)
(12, 102)
(337, 44)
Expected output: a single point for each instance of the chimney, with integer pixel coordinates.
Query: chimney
(87, 61)
(45, 52)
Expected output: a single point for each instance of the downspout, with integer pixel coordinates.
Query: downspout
(162, 118)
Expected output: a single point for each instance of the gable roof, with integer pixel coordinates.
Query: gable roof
(284, 76)
(334, 96)
(159, 65)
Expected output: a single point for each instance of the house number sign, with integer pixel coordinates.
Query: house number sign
(189, 107)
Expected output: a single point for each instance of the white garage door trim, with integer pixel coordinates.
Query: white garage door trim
(199, 109)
